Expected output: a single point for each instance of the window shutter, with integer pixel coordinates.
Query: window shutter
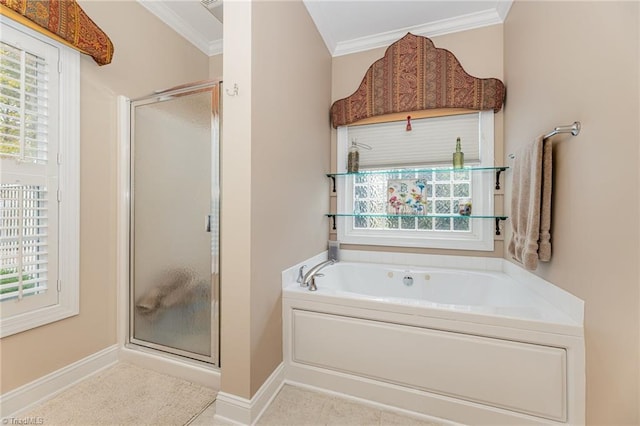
(28, 147)
(431, 141)
(24, 116)
(24, 251)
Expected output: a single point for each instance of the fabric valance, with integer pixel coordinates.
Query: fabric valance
(63, 20)
(414, 75)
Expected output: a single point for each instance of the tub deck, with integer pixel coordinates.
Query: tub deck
(486, 297)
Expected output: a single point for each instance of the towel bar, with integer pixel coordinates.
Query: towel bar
(574, 129)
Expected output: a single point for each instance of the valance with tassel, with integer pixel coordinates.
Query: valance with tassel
(414, 75)
(64, 21)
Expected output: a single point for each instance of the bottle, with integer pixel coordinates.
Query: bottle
(353, 161)
(458, 156)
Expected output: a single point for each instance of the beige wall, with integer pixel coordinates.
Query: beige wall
(290, 156)
(215, 66)
(273, 213)
(235, 204)
(579, 61)
(480, 52)
(148, 56)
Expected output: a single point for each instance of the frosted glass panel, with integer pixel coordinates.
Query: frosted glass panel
(174, 224)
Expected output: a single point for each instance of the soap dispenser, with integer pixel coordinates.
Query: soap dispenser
(458, 156)
(353, 161)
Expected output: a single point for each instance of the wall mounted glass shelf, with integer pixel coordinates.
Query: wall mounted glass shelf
(498, 170)
(497, 218)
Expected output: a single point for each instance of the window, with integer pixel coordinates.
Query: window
(39, 192)
(418, 163)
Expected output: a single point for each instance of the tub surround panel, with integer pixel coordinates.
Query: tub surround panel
(526, 378)
(418, 355)
(390, 392)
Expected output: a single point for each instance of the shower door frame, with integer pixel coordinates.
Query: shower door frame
(160, 96)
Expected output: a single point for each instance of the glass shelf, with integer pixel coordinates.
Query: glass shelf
(497, 218)
(427, 170)
(416, 216)
(496, 169)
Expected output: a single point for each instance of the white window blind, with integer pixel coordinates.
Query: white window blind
(422, 155)
(23, 236)
(24, 115)
(431, 141)
(28, 188)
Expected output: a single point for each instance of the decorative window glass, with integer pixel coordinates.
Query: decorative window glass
(408, 194)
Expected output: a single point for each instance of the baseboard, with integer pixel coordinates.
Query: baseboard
(407, 401)
(18, 401)
(193, 372)
(374, 404)
(238, 410)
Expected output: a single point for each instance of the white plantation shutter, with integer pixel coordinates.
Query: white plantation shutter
(24, 227)
(29, 93)
(24, 115)
(431, 141)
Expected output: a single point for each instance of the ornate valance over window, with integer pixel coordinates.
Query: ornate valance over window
(63, 20)
(414, 75)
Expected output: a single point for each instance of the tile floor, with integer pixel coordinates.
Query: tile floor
(299, 407)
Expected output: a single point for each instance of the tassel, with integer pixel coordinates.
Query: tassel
(408, 123)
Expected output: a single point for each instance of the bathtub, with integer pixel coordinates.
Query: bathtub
(489, 345)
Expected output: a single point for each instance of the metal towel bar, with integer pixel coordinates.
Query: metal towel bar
(574, 129)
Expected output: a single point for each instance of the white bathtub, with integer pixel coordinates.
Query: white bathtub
(469, 346)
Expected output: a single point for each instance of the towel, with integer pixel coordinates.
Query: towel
(544, 240)
(531, 204)
(175, 287)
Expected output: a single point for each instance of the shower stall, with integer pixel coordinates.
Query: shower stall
(174, 222)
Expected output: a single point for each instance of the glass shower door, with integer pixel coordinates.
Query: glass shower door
(174, 223)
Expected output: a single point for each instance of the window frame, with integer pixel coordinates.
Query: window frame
(480, 238)
(67, 195)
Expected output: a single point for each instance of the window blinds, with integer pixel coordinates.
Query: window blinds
(28, 209)
(431, 141)
(23, 116)
(23, 246)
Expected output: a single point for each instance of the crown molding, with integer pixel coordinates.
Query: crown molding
(321, 21)
(503, 7)
(179, 25)
(470, 21)
(215, 48)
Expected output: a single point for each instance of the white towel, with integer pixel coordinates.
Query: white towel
(531, 204)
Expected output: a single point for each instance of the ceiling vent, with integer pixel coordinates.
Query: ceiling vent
(213, 6)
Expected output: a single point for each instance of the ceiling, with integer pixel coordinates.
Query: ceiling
(346, 26)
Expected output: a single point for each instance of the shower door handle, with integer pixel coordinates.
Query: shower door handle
(207, 223)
